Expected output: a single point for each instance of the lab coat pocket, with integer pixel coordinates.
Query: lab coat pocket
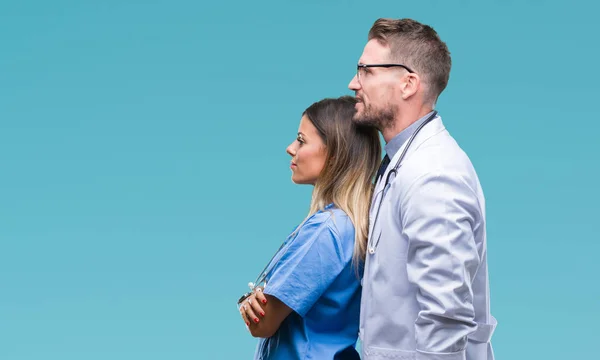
(378, 353)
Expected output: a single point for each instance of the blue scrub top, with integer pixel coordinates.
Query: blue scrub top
(315, 277)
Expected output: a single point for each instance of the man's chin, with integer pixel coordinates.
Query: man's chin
(360, 119)
(359, 116)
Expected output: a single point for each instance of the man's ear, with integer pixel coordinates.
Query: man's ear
(410, 85)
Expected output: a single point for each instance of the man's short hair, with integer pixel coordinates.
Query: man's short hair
(419, 47)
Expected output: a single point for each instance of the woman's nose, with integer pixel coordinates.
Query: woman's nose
(291, 150)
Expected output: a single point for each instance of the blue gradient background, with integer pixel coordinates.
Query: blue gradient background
(144, 180)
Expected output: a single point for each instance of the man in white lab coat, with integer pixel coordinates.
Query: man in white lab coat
(425, 286)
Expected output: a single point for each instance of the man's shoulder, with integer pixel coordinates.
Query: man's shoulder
(438, 156)
(438, 151)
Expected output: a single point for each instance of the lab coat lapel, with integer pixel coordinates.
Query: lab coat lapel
(426, 132)
(378, 195)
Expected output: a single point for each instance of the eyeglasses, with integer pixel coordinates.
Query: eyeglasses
(362, 67)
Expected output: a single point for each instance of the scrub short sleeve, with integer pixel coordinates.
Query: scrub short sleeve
(309, 266)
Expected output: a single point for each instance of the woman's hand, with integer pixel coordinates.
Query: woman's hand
(250, 308)
(254, 311)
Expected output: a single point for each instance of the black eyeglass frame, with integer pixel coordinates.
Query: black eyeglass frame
(364, 66)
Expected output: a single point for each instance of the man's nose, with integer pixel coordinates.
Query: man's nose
(354, 84)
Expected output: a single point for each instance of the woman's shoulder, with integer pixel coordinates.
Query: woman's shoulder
(328, 230)
(333, 218)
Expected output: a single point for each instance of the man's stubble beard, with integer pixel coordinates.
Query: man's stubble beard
(379, 119)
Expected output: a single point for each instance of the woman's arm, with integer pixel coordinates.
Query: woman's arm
(307, 268)
(263, 313)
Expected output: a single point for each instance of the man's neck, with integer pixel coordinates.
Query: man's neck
(403, 120)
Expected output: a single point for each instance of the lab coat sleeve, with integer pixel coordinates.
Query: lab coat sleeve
(438, 214)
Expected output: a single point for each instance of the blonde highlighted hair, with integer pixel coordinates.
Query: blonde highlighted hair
(353, 155)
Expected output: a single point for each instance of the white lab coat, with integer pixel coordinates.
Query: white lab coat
(425, 288)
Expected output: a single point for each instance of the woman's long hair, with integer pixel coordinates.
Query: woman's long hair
(353, 156)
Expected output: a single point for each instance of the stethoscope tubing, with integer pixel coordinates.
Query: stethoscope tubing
(372, 247)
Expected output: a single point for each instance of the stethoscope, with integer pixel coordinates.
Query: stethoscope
(372, 246)
(261, 279)
(262, 276)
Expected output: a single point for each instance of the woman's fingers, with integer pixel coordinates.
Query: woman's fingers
(248, 308)
(260, 296)
(243, 313)
(255, 303)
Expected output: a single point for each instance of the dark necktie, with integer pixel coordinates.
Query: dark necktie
(384, 164)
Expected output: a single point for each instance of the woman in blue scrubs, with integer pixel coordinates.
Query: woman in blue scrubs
(309, 305)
